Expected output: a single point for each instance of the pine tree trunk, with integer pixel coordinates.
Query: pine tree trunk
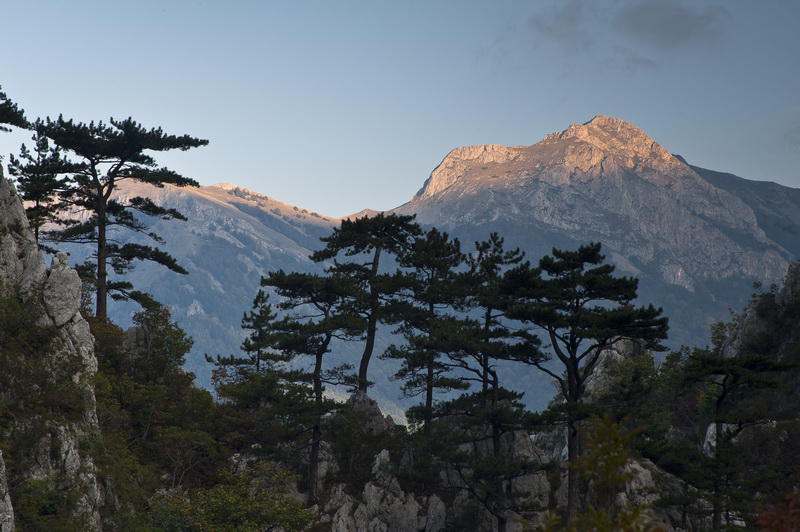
(574, 396)
(429, 383)
(429, 396)
(316, 433)
(487, 322)
(572, 473)
(102, 288)
(372, 326)
(502, 524)
(313, 462)
(716, 519)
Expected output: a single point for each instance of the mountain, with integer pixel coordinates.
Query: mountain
(695, 238)
(232, 238)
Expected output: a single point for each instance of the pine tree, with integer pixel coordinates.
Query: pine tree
(311, 322)
(98, 158)
(734, 388)
(582, 310)
(259, 344)
(303, 323)
(11, 114)
(430, 288)
(38, 181)
(487, 299)
(366, 240)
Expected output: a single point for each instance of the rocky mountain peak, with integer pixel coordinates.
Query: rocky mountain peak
(461, 159)
(604, 145)
(613, 136)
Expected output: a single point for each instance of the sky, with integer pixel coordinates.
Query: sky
(341, 106)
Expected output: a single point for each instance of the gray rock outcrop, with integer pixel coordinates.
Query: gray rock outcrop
(58, 455)
(6, 508)
(383, 506)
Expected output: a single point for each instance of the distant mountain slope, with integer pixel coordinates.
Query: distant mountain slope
(232, 238)
(777, 208)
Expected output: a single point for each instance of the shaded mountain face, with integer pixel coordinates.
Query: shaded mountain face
(695, 240)
(232, 237)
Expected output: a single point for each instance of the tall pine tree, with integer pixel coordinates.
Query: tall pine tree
(99, 158)
(311, 322)
(582, 310)
(430, 283)
(366, 241)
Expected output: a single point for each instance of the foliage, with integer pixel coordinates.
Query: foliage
(781, 516)
(10, 113)
(46, 505)
(354, 445)
(38, 182)
(98, 157)
(365, 240)
(474, 445)
(35, 379)
(608, 451)
(38, 392)
(429, 290)
(157, 430)
(582, 310)
(254, 499)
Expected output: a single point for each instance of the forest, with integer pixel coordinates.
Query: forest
(713, 428)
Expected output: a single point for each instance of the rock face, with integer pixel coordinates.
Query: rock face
(384, 507)
(6, 508)
(58, 455)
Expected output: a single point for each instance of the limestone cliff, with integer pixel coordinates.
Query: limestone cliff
(55, 454)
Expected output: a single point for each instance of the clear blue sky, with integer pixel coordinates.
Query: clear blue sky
(339, 106)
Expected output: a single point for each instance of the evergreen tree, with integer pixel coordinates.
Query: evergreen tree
(308, 324)
(490, 302)
(475, 443)
(38, 181)
(366, 240)
(430, 288)
(582, 310)
(10, 113)
(311, 323)
(733, 389)
(98, 158)
(259, 344)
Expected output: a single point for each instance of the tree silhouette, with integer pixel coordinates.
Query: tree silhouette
(582, 310)
(367, 239)
(430, 289)
(38, 181)
(10, 113)
(98, 158)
